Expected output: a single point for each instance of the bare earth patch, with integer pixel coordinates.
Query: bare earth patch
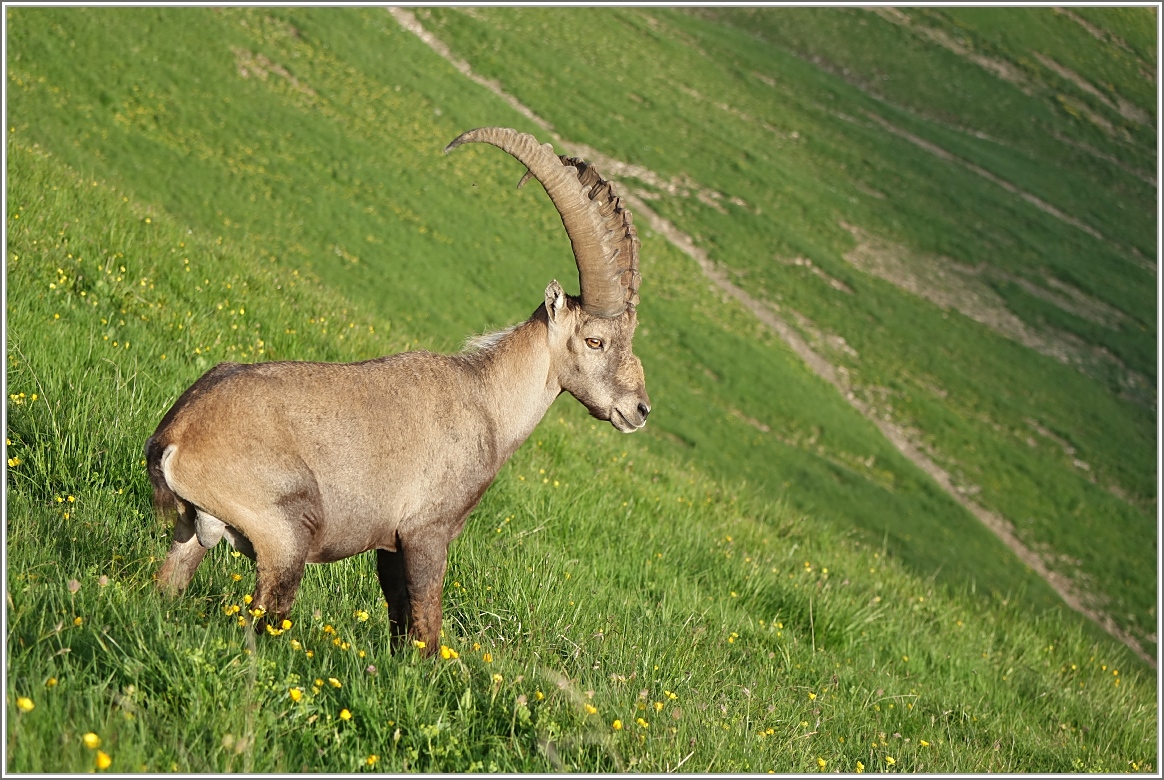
(953, 285)
(898, 436)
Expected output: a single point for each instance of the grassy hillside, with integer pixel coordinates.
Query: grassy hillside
(167, 212)
(1061, 442)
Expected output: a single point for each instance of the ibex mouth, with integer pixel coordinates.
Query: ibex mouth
(622, 423)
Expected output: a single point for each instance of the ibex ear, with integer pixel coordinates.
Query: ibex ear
(555, 301)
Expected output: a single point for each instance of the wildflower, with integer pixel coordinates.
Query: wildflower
(860, 767)
(372, 759)
(273, 631)
(345, 715)
(242, 621)
(296, 694)
(361, 616)
(236, 577)
(334, 683)
(539, 695)
(24, 704)
(91, 740)
(905, 658)
(658, 706)
(642, 722)
(448, 653)
(889, 760)
(50, 682)
(497, 679)
(371, 669)
(309, 654)
(821, 763)
(328, 629)
(73, 586)
(590, 709)
(617, 725)
(923, 743)
(295, 644)
(103, 760)
(318, 682)
(78, 620)
(487, 658)
(419, 643)
(247, 599)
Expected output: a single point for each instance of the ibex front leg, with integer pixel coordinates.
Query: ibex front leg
(390, 570)
(412, 579)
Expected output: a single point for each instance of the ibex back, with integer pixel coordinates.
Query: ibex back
(297, 462)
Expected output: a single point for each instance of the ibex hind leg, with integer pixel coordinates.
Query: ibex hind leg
(185, 552)
(281, 543)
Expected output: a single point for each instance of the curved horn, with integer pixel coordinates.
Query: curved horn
(601, 231)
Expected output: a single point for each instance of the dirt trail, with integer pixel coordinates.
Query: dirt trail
(999, 525)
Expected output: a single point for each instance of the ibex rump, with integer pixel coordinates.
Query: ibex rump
(298, 462)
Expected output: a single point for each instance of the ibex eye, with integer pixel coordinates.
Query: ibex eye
(594, 343)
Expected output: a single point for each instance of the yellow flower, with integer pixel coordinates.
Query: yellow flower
(658, 706)
(419, 643)
(295, 644)
(345, 715)
(487, 658)
(310, 654)
(50, 682)
(361, 616)
(328, 629)
(296, 694)
(257, 612)
(821, 763)
(78, 620)
(318, 682)
(617, 725)
(103, 760)
(286, 624)
(590, 709)
(642, 722)
(334, 683)
(923, 743)
(497, 678)
(811, 695)
(889, 760)
(860, 767)
(91, 740)
(236, 577)
(24, 704)
(372, 759)
(247, 599)
(539, 695)
(448, 653)
(670, 695)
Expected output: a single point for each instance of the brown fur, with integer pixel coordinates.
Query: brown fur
(315, 462)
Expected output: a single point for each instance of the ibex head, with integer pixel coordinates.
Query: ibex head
(590, 336)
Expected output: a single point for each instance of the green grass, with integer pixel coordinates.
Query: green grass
(316, 219)
(755, 617)
(970, 392)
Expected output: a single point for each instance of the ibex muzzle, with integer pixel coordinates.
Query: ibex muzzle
(297, 462)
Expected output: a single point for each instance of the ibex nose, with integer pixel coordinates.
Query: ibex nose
(644, 410)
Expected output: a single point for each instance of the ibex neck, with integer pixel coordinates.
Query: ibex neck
(517, 383)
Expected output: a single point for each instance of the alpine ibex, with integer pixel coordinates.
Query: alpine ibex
(298, 462)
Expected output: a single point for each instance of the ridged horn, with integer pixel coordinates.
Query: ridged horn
(601, 230)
